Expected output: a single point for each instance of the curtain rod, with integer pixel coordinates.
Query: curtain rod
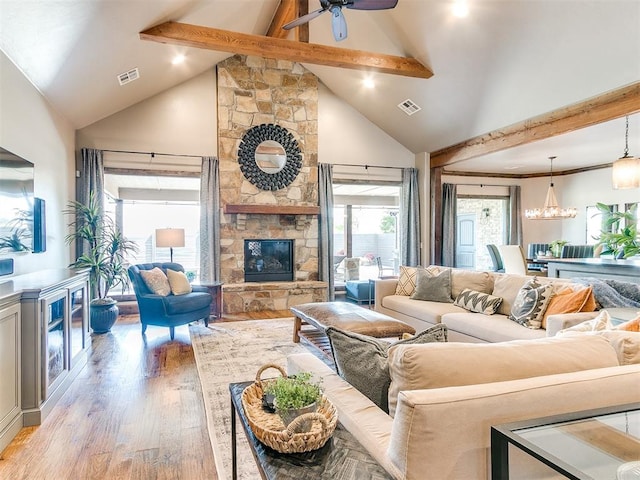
(153, 154)
(366, 167)
(481, 185)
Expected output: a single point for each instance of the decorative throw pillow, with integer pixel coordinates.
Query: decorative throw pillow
(433, 287)
(407, 281)
(530, 304)
(478, 302)
(363, 361)
(157, 281)
(568, 300)
(178, 282)
(601, 322)
(630, 326)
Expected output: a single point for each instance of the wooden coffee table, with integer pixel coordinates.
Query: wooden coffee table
(341, 458)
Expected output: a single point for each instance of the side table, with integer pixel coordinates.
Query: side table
(215, 290)
(341, 457)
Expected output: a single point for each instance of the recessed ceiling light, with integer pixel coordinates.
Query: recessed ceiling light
(512, 167)
(460, 8)
(368, 83)
(178, 59)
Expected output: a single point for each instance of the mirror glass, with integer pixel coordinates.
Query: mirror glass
(16, 203)
(271, 157)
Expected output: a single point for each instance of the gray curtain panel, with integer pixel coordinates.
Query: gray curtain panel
(449, 213)
(410, 218)
(515, 216)
(325, 227)
(210, 220)
(91, 168)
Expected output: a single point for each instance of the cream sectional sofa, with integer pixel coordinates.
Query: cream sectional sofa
(466, 326)
(446, 396)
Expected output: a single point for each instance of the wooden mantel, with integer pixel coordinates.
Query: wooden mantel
(272, 209)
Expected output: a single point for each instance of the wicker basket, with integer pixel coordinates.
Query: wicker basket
(270, 430)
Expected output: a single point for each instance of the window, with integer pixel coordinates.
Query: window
(365, 223)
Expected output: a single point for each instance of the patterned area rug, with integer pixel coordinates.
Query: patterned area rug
(233, 352)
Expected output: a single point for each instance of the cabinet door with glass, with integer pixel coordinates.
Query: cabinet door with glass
(55, 341)
(78, 323)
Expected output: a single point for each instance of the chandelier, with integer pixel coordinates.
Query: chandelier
(626, 170)
(551, 210)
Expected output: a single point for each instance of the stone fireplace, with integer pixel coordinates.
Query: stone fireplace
(255, 91)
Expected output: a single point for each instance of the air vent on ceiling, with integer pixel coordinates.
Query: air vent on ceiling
(409, 107)
(129, 76)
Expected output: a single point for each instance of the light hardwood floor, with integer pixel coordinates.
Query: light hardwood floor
(134, 412)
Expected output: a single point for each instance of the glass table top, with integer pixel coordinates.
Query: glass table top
(598, 446)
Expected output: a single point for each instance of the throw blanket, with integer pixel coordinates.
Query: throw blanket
(612, 293)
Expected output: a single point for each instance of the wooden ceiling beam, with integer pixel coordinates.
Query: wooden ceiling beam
(175, 33)
(602, 108)
(286, 12)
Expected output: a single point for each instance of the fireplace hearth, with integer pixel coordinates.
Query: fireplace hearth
(267, 260)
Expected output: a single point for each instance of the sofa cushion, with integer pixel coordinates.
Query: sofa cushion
(157, 281)
(568, 300)
(507, 288)
(478, 302)
(177, 304)
(436, 365)
(433, 287)
(626, 344)
(470, 279)
(430, 312)
(362, 360)
(530, 304)
(178, 282)
(489, 328)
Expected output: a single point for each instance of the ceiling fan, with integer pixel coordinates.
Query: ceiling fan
(338, 23)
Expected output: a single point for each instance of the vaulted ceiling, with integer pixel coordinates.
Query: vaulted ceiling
(505, 62)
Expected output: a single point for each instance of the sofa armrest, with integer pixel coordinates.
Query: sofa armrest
(383, 288)
(429, 422)
(560, 321)
(359, 415)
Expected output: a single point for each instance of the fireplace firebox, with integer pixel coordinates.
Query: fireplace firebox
(267, 260)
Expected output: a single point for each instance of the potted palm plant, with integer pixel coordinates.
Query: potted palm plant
(619, 236)
(103, 255)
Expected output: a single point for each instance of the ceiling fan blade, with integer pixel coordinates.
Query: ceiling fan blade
(372, 4)
(305, 18)
(338, 23)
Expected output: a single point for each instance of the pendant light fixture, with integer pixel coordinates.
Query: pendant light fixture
(625, 172)
(551, 210)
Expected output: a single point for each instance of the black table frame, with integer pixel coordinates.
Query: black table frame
(320, 463)
(503, 435)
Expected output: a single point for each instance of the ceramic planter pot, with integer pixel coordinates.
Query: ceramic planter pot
(289, 416)
(103, 317)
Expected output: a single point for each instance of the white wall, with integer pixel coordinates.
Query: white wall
(30, 128)
(181, 120)
(347, 137)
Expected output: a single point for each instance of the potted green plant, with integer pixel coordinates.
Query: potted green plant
(556, 247)
(293, 396)
(103, 255)
(620, 234)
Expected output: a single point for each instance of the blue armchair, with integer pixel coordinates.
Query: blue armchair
(172, 310)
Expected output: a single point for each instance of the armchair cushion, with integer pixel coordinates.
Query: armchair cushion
(157, 281)
(179, 304)
(178, 281)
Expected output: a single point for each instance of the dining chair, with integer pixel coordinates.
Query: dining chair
(532, 252)
(513, 259)
(496, 259)
(577, 251)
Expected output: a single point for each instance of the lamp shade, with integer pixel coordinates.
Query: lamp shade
(170, 237)
(626, 173)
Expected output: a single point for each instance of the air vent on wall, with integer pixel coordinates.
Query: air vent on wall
(409, 107)
(129, 76)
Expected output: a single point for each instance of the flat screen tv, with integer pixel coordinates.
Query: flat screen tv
(16, 203)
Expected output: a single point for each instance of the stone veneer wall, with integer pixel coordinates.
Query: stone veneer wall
(254, 91)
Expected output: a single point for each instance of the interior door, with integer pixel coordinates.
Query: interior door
(466, 241)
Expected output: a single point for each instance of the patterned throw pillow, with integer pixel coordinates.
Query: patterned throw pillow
(433, 287)
(363, 361)
(178, 282)
(157, 281)
(530, 304)
(407, 281)
(568, 300)
(478, 302)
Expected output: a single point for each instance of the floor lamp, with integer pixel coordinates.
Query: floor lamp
(170, 237)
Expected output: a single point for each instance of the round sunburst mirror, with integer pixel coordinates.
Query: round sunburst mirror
(269, 156)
